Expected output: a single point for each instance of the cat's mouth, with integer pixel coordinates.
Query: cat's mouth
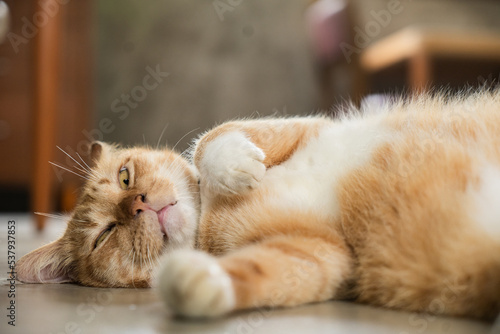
(163, 214)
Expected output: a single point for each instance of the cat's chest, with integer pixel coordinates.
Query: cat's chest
(309, 180)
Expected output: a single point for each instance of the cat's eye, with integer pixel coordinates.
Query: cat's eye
(104, 234)
(123, 177)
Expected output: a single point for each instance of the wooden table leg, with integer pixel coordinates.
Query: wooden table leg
(46, 83)
(420, 72)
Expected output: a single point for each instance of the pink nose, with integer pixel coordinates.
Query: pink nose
(138, 205)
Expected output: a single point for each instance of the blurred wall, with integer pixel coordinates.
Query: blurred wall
(224, 59)
(482, 15)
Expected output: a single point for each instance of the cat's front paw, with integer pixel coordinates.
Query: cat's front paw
(232, 165)
(193, 284)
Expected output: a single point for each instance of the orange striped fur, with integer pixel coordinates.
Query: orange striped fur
(396, 207)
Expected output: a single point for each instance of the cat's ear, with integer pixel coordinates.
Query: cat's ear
(99, 150)
(47, 264)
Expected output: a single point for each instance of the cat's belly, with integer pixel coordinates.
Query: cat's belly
(307, 182)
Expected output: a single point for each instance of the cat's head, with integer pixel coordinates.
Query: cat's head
(137, 204)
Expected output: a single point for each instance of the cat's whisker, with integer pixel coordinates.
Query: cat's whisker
(140, 262)
(88, 167)
(69, 170)
(186, 153)
(91, 171)
(80, 170)
(172, 174)
(161, 135)
(173, 148)
(54, 216)
(85, 173)
(176, 169)
(97, 175)
(182, 198)
(85, 169)
(69, 155)
(172, 171)
(133, 268)
(148, 256)
(129, 256)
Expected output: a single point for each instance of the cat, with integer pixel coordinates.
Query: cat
(394, 207)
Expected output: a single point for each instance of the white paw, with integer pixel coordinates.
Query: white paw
(232, 164)
(193, 284)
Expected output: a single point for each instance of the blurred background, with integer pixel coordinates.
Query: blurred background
(162, 72)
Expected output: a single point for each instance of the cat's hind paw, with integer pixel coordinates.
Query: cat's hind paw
(193, 284)
(232, 165)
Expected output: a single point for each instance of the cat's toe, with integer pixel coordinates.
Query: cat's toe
(193, 284)
(242, 177)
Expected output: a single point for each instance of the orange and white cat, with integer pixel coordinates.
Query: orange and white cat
(397, 208)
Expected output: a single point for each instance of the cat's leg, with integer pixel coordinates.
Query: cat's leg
(233, 157)
(279, 271)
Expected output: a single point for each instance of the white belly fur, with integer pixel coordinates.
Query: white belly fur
(307, 181)
(485, 210)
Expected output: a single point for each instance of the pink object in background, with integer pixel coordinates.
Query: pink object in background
(327, 25)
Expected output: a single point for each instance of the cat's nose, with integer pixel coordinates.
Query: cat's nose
(139, 205)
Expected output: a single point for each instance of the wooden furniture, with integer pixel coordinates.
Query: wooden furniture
(47, 83)
(423, 49)
(45, 100)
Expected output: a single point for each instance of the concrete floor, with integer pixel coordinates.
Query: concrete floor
(68, 308)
